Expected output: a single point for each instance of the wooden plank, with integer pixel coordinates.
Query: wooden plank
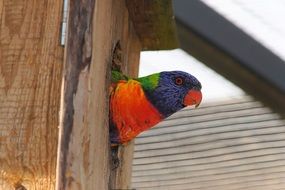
(154, 23)
(30, 79)
(84, 152)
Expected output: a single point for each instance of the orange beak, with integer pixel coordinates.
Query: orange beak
(193, 97)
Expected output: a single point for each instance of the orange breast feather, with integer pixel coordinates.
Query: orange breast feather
(131, 112)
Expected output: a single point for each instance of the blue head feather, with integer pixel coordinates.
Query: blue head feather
(168, 96)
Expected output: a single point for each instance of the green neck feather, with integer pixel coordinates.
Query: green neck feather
(116, 76)
(150, 82)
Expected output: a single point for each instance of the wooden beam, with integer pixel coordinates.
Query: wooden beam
(30, 79)
(94, 28)
(154, 23)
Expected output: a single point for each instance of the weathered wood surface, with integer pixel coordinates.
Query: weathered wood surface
(84, 152)
(154, 23)
(30, 79)
(235, 144)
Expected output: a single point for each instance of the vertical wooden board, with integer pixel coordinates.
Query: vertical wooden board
(84, 161)
(30, 78)
(121, 177)
(154, 23)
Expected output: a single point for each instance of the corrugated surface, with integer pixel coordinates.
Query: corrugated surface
(235, 144)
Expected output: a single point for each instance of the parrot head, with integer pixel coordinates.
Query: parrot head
(171, 91)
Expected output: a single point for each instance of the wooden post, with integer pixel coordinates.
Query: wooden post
(94, 28)
(30, 79)
(31, 62)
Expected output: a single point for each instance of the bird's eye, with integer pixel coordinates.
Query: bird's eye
(179, 81)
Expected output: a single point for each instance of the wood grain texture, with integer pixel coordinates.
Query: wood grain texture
(84, 152)
(30, 79)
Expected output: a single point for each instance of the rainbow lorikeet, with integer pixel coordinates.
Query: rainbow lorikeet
(138, 104)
